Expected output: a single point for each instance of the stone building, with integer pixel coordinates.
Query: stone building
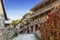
(3, 18)
(38, 17)
(39, 14)
(24, 22)
(41, 11)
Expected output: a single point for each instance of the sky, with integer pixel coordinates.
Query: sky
(15, 9)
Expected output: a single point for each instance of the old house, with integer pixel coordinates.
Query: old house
(3, 18)
(40, 12)
(39, 17)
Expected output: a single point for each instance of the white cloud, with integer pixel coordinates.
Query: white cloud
(16, 14)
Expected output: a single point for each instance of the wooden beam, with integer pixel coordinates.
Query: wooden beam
(34, 29)
(29, 29)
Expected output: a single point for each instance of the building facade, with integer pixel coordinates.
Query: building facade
(41, 11)
(37, 20)
(3, 18)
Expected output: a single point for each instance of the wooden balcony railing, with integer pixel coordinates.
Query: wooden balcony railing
(46, 8)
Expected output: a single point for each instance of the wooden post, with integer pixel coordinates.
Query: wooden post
(29, 29)
(26, 31)
(38, 26)
(34, 29)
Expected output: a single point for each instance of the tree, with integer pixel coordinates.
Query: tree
(15, 22)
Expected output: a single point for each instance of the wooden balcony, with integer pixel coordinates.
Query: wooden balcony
(44, 9)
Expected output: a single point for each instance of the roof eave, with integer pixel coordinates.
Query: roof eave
(39, 4)
(4, 10)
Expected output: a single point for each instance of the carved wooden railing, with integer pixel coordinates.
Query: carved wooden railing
(35, 22)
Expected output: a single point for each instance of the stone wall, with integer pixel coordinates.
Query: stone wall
(3, 34)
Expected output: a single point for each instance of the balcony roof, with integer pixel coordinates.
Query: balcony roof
(2, 2)
(41, 3)
(42, 11)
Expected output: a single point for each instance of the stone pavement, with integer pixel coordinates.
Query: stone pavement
(25, 37)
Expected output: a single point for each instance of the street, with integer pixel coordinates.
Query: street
(25, 37)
